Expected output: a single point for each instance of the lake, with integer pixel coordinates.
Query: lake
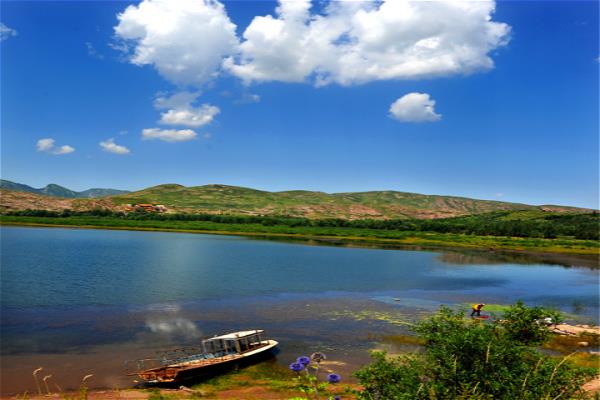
(79, 301)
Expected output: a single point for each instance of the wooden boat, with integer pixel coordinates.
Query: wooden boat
(192, 362)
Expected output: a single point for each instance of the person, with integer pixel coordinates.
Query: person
(476, 309)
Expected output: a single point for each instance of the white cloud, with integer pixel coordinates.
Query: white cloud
(193, 117)
(65, 149)
(356, 42)
(47, 146)
(111, 147)
(181, 110)
(185, 40)
(6, 32)
(414, 107)
(168, 135)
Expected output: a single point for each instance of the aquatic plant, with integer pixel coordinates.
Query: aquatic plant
(308, 381)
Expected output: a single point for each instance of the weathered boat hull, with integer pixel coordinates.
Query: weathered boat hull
(197, 369)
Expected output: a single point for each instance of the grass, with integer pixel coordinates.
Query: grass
(377, 237)
(322, 205)
(262, 378)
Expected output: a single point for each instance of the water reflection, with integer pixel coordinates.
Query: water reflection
(479, 257)
(83, 301)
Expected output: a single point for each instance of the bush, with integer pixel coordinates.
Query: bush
(472, 359)
(521, 323)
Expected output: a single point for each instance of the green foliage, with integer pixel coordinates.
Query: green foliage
(303, 203)
(521, 323)
(155, 394)
(472, 359)
(397, 378)
(533, 225)
(295, 228)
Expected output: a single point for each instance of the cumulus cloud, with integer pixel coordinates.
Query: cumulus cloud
(193, 117)
(6, 32)
(414, 107)
(181, 111)
(346, 42)
(168, 135)
(111, 147)
(185, 40)
(47, 146)
(356, 42)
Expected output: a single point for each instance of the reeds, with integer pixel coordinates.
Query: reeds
(37, 382)
(83, 389)
(46, 383)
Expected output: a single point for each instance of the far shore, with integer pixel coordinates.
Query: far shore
(550, 252)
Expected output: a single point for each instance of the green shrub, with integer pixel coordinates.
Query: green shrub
(521, 323)
(472, 359)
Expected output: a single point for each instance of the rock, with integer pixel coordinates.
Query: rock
(583, 344)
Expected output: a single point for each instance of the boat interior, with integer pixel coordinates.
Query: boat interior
(231, 345)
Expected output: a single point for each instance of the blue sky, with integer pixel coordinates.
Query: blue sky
(524, 129)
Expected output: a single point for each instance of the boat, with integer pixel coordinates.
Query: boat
(193, 362)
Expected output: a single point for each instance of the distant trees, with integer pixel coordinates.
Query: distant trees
(503, 223)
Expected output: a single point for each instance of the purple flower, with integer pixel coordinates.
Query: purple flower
(296, 367)
(303, 360)
(333, 378)
(337, 398)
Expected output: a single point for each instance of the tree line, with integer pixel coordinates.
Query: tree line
(584, 226)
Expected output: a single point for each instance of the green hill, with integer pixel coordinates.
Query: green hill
(223, 199)
(54, 190)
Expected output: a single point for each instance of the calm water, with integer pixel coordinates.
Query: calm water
(83, 301)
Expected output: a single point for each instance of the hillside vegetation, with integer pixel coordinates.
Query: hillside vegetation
(222, 199)
(239, 201)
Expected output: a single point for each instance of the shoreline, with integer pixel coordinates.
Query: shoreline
(559, 255)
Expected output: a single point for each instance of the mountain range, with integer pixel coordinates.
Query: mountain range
(60, 191)
(233, 200)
